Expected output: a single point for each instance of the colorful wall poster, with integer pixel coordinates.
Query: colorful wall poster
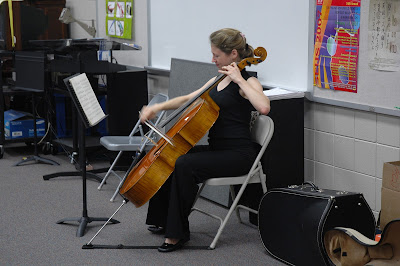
(384, 35)
(119, 18)
(336, 44)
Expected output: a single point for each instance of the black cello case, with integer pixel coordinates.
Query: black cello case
(292, 221)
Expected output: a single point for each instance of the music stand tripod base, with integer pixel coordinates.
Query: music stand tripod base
(91, 174)
(84, 221)
(37, 159)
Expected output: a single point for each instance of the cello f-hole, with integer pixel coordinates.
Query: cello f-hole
(159, 149)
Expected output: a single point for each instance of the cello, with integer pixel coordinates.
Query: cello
(198, 116)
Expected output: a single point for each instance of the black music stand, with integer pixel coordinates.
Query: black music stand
(92, 174)
(82, 125)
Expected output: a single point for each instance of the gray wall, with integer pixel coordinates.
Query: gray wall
(345, 149)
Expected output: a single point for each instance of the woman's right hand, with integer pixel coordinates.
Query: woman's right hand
(147, 113)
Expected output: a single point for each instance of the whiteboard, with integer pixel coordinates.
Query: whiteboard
(181, 29)
(377, 91)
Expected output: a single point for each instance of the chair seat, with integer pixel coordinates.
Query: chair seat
(236, 180)
(123, 143)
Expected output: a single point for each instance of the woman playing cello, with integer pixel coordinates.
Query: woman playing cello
(230, 151)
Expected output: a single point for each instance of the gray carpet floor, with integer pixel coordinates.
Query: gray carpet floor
(31, 206)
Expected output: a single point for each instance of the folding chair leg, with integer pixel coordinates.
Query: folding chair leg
(109, 170)
(234, 207)
(116, 191)
(122, 179)
(231, 209)
(221, 228)
(264, 186)
(104, 179)
(233, 196)
(263, 178)
(197, 196)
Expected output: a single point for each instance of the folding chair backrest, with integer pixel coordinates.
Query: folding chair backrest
(261, 132)
(158, 98)
(262, 129)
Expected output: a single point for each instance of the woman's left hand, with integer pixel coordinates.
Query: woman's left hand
(232, 71)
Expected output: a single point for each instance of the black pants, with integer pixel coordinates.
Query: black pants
(170, 207)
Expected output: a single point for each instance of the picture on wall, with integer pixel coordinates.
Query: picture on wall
(119, 18)
(110, 9)
(336, 44)
(384, 35)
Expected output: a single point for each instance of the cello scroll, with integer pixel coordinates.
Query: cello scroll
(261, 55)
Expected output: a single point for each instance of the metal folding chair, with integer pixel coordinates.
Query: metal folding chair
(261, 132)
(137, 143)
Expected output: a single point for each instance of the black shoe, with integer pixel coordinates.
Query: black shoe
(156, 230)
(172, 247)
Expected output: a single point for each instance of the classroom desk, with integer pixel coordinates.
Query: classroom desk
(9, 92)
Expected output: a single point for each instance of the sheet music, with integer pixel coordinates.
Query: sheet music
(87, 99)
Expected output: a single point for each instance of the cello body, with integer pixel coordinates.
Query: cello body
(146, 178)
(151, 172)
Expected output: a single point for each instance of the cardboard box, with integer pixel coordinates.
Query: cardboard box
(390, 209)
(18, 125)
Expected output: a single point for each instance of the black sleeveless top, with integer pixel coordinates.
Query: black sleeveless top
(234, 115)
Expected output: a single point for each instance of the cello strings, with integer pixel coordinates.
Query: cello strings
(152, 141)
(158, 132)
(182, 108)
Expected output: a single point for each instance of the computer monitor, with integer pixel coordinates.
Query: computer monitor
(30, 70)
